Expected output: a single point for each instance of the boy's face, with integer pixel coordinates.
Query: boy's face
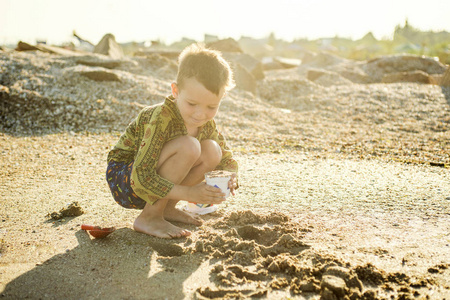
(197, 104)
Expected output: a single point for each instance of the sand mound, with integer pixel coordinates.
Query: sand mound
(257, 255)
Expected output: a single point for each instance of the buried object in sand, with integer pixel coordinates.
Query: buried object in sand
(98, 232)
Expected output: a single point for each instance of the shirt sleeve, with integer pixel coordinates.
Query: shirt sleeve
(125, 148)
(145, 181)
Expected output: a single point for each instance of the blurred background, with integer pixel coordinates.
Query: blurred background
(349, 28)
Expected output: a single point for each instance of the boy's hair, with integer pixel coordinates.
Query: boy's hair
(205, 65)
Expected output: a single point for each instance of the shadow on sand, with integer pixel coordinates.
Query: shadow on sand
(126, 265)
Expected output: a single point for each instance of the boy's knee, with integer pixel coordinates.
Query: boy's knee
(190, 147)
(211, 152)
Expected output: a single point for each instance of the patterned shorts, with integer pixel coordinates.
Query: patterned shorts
(118, 177)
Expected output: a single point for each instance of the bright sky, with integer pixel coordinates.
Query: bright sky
(170, 20)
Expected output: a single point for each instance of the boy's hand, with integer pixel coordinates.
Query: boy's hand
(232, 184)
(205, 194)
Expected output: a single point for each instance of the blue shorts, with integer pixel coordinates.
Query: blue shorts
(118, 177)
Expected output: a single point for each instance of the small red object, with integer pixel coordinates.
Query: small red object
(98, 232)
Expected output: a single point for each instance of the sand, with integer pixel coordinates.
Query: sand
(344, 194)
(371, 228)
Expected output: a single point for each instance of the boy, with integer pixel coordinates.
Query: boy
(164, 153)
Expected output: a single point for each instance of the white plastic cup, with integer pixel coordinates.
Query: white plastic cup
(218, 179)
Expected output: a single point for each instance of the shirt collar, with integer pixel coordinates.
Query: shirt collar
(172, 105)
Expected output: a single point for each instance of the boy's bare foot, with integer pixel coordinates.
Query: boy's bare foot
(176, 215)
(159, 227)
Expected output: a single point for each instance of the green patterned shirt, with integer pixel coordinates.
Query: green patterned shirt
(144, 139)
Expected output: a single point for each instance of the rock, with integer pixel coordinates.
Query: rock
(445, 80)
(322, 60)
(22, 46)
(287, 63)
(405, 67)
(161, 65)
(335, 284)
(251, 64)
(100, 75)
(327, 78)
(97, 61)
(415, 76)
(378, 67)
(437, 78)
(244, 79)
(254, 47)
(277, 63)
(314, 74)
(71, 210)
(227, 45)
(57, 50)
(337, 70)
(308, 56)
(269, 63)
(108, 46)
(354, 73)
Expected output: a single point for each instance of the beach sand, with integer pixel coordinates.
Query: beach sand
(344, 191)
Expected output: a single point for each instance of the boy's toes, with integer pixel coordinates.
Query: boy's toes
(187, 233)
(179, 234)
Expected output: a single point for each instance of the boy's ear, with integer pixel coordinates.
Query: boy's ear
(175, 90)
